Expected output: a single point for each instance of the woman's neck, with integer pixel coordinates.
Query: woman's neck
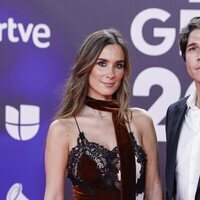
(95, 113)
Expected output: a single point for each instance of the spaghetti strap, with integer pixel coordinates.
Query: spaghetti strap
(77, 124)
(129, 127)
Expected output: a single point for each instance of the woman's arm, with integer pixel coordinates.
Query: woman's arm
(56, 156)
(153, 186)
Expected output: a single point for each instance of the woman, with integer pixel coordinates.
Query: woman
(108, 150)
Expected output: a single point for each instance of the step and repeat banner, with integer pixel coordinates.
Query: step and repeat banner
(38, 44)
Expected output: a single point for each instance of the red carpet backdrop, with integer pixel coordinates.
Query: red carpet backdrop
(38, 44)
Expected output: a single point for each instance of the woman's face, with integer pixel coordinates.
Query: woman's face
(107, 73)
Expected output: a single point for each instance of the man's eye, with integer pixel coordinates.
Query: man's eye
(192, 49)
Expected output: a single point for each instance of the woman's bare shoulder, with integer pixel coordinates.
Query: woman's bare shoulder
(141, 119)
(144, 127)
(139, 114)
(61, 127)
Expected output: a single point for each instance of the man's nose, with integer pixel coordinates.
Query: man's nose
(198, 52)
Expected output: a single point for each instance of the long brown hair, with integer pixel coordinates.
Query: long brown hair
(76, 88)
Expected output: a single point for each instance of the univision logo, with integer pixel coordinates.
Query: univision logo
(23, 124)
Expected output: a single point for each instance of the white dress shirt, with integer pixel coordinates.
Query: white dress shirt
(188, 153)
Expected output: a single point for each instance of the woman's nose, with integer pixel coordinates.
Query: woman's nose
(110, 72)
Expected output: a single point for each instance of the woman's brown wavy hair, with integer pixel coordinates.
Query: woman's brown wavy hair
(76, 88)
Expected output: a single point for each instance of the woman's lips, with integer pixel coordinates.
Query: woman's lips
(108, 84)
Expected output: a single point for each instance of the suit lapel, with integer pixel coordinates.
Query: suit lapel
(197, 196)
(175, 120)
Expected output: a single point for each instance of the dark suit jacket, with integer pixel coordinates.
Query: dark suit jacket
(174, 119)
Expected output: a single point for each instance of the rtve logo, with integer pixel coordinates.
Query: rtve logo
(39, 33)
(23, 124)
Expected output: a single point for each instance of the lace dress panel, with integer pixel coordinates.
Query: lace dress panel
(142, 161)
(106, 162)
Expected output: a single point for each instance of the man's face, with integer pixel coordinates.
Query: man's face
(193, 55)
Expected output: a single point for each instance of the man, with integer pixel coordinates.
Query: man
(183, 126)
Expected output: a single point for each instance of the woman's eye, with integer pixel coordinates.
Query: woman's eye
(120, 65)
(101, 63)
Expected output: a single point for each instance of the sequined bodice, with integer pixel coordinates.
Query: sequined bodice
(93, 167)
